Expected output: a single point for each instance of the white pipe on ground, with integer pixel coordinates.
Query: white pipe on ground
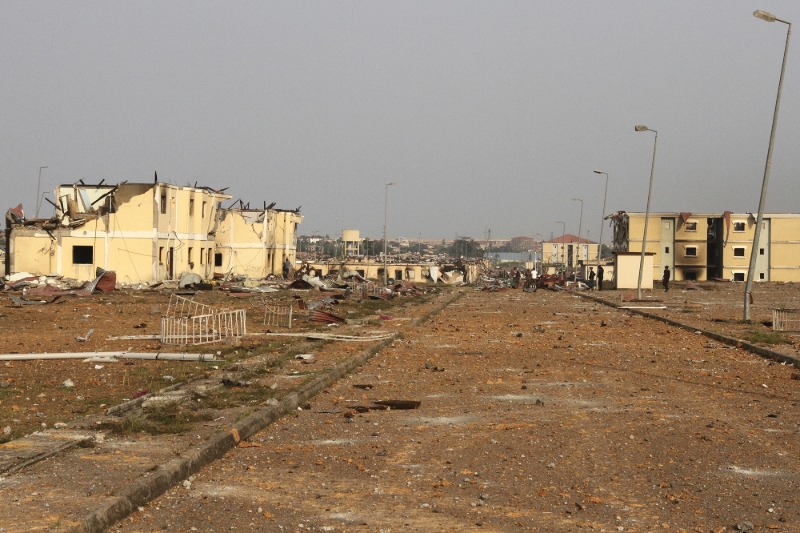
(119, 355)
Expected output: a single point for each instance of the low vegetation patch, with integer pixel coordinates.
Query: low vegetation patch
(765, 337)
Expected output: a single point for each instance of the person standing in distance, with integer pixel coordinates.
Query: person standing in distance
(665, 278)
(600, 272)
(287, 266)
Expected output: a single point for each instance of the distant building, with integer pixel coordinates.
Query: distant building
(570, 251)
(149, 232)
(521, 244)
(702, 246)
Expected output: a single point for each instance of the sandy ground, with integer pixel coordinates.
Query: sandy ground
(32, 394)
(719, 307)
(539, 412)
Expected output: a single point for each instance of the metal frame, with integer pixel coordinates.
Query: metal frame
(190, 322)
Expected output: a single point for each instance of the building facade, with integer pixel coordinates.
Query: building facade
(144, 232)
(704, 246)
(569, 251)
(254, 243)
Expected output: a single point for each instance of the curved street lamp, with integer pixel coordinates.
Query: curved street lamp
(602, 220)
(563, 247)
(647, 212)
(385, 218)
(748, 287)
(580, 228)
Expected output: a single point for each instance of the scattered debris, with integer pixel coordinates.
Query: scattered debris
(86, 338)
(399, 404)
(322, 316)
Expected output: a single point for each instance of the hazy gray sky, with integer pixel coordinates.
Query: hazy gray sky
(487, 114)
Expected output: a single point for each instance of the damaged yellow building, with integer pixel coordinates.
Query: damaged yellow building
(255, 242)
(148, 232)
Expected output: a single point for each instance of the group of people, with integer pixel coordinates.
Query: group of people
(599, 277)
(516, 275)
(516, 278)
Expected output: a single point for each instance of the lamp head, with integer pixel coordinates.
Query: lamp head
(599, 172)
(577, 200)
(763, 15)
(642, 128)
(392, 183)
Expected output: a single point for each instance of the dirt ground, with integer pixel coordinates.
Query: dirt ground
(32, 395)
(539, 412)
(719, 307)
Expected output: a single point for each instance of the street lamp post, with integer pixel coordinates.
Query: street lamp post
(385, 219)
(580, 227)
(647, 212)
(602, 221)
(563, 246)
(38, 189)
(748, 288)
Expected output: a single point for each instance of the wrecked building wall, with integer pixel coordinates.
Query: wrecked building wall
(31, 250)
(186, 220)
(254, 243)
(242, 240)
(140, 232)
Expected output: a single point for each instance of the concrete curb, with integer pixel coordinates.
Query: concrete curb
(147, 488)
(733, 341)
(437, 309)
(151, 486)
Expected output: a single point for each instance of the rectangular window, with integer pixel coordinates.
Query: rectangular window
(202, 256)
(160, 254)
(761, 275)
(738, 226)
(691, 251)
(163, 204)
(82, 255)
(690, 275)
(666, 224)
(691, 226)
(191, 207)
(217, 260)
(738, 251)
(203, 213)
(738, 276)
(760, 251)
(666, 249)
(191, 263)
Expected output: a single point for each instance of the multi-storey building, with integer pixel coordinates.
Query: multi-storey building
(703, 246)
(147, 232)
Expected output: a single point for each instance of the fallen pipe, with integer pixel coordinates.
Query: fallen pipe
(328, 336)
(118, 355)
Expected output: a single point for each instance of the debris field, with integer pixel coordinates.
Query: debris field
(537, 412)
